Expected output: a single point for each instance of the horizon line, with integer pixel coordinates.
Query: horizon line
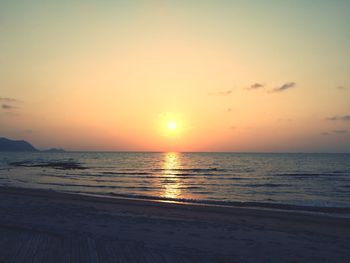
(237, 152)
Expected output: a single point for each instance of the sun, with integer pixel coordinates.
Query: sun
(172, 125)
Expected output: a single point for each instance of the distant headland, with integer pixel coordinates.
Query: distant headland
(54, 150)
(7, 145)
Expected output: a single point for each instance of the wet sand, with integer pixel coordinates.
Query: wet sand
(47, 226)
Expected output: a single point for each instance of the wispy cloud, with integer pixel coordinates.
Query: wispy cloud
(340, 131)
(284, 120)
(8, 99)
(332, 118)
(341, 87)
(335, 132)
(7, 106)
(256, 86)
(222, 93)
(285, 87)
(229, 109)
(339, 118)
(9, 113)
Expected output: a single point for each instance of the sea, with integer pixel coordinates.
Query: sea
(306, 181)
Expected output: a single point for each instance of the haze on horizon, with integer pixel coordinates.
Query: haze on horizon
(176, 75)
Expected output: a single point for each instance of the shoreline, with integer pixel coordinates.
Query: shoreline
(243, 204)
(242, 210)
(343, 212)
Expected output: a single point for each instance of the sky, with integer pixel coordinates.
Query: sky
(241, 76)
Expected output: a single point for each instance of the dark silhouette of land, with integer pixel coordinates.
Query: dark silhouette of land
(54, 150)
(16, 146)
(8, 145)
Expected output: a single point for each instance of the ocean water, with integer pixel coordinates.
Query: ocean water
(306, 181)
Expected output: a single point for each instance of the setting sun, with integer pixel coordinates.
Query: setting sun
(172, 125)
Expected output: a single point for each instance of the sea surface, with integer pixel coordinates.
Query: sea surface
(303, 181)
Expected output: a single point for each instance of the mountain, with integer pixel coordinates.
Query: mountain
(16, 146)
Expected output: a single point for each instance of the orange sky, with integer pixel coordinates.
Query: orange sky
(233, 76)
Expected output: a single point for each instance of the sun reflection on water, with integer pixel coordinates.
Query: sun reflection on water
(171, 183)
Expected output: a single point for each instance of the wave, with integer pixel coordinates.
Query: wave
(247, 204)
(192, 169)
(189, 187)
(265, 185)
(103, 186)
(62, 165)
(337, 174)
(125, 173)
(150, 175)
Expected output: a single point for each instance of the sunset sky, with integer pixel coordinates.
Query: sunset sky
(181, 75)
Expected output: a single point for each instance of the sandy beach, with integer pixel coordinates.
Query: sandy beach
(48, 226)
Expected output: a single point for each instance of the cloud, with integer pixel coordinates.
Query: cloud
(256, 86)
(284, 120)
(332, 118)
(227, 92)
(7, 107)
(8, 100)
(335, 132)
(222, 93)
(229, 109)
(339, 118)
(9, 104)
(9, 113)
(284, 87)
(340, 131)
(341, 88)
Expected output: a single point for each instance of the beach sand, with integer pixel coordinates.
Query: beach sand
(48, 226)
